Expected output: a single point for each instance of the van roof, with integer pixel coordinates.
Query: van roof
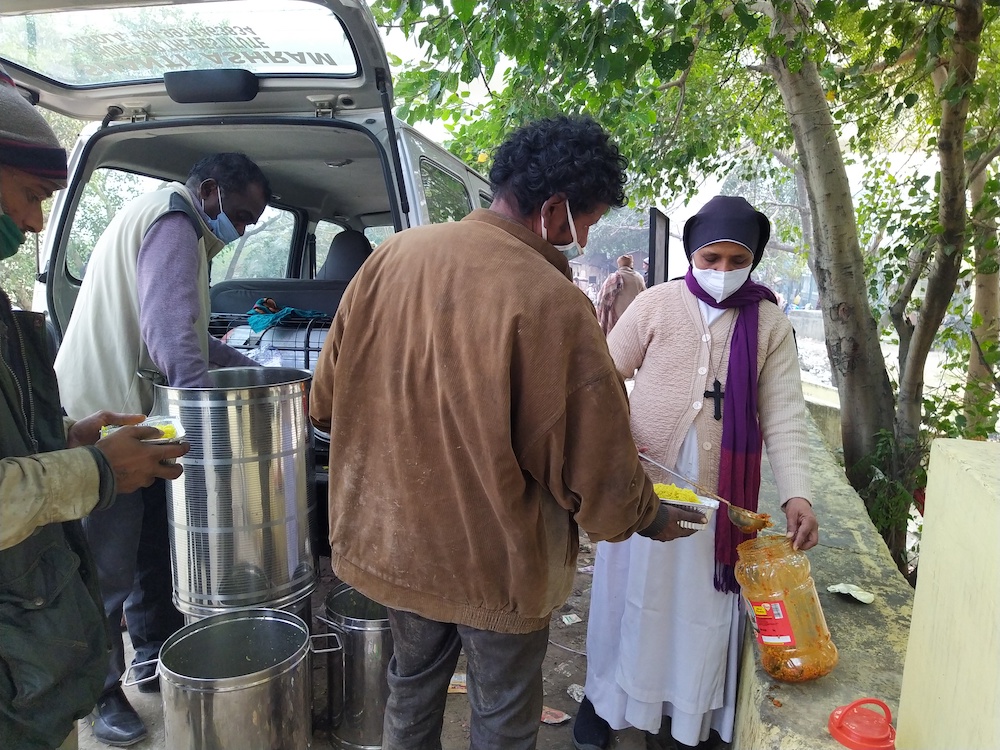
(81, 56)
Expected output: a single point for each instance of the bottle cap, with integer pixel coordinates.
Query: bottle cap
(861, 728)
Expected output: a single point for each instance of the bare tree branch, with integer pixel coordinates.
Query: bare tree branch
(919, 257)
(982, 163)
(982, 360)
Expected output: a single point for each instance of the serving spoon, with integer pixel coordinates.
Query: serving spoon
(746, 520)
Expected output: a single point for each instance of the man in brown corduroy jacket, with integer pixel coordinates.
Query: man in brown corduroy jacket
(476, 420)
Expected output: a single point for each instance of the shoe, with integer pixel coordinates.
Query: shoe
(590, 731)
(153, 686)
(114, 720)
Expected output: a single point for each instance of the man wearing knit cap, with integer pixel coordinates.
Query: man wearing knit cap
(617, 293)
(53, 634)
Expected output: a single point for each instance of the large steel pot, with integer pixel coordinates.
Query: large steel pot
(242, 515)
(240, 679)
(357, 684)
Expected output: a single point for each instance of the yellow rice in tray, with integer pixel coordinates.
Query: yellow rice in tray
(673, 492)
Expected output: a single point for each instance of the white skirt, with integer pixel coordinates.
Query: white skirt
(661, 641)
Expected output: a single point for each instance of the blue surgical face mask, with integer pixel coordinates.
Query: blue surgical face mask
(11, 236)
(221, 226)
(572, 250)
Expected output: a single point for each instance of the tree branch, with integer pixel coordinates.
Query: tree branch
(982, 163)
(682, 78)
(984, 363)
(783, 159)
(897, 310)
(936, 3)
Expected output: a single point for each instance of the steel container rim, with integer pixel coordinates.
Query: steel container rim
(346, 621)
(188, 683)
(257, 378)
(206, 609)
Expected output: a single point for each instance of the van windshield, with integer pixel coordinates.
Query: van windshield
(99, 47)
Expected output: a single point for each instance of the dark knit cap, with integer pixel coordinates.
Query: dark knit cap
(728, 218)
(26, 140)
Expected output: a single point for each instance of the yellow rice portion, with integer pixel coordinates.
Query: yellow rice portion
(673, 492)
(168, 430)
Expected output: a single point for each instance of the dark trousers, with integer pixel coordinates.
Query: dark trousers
(504, 682)
(129, 542)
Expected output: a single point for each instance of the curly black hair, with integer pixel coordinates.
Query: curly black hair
(232, 170)
(569, 155)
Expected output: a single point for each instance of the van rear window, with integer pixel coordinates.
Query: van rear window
(263, 251)
(105, 46)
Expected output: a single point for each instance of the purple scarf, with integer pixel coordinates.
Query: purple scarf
(739, 467)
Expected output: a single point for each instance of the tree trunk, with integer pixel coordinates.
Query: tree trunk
(952, 216)
(852, 337)
(985, 309)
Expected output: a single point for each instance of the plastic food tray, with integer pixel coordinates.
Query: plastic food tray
(164, 424)
(705, 505)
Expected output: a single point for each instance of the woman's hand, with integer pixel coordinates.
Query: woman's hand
(803, 528)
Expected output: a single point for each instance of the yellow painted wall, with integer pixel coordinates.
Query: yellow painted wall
(951, 679)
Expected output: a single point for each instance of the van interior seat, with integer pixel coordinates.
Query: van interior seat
(237, 296)
(348, 251)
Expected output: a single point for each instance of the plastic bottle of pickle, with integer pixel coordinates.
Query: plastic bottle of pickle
(795, 643)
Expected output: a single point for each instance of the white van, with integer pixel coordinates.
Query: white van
(301, 86)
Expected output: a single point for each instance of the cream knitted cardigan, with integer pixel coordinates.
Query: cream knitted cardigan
(662, 339)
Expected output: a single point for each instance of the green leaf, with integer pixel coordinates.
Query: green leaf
(747, 19)
(464, 9)
(825, 10)
(601, 68)
(910, 99)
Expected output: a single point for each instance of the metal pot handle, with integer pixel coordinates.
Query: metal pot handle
(155, 376)
(128, 671)
(336, 708)
(338, 647)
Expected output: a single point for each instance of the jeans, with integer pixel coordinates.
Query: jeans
(504, 683)
(130, 545)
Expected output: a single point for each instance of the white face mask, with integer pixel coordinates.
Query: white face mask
(720, 284)
(573, 249)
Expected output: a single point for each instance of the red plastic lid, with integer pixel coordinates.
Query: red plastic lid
(861, 728)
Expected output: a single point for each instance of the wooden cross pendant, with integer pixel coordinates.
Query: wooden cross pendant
(716, 394)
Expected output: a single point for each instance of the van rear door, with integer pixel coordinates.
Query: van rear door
(82, 57)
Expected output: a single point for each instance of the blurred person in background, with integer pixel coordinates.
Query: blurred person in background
(617, 293)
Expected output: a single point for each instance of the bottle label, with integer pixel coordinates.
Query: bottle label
(770, 622)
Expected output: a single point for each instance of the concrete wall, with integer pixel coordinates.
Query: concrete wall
(871, 638)
(951, 682)
(823, 404)
(807, 323)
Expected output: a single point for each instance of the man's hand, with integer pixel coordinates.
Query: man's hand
(803, 528)
(88, 430)
(673, 530)
(137, 464)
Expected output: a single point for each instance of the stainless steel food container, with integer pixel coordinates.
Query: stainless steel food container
(357, 688)
(242, 515)
(240, 679)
